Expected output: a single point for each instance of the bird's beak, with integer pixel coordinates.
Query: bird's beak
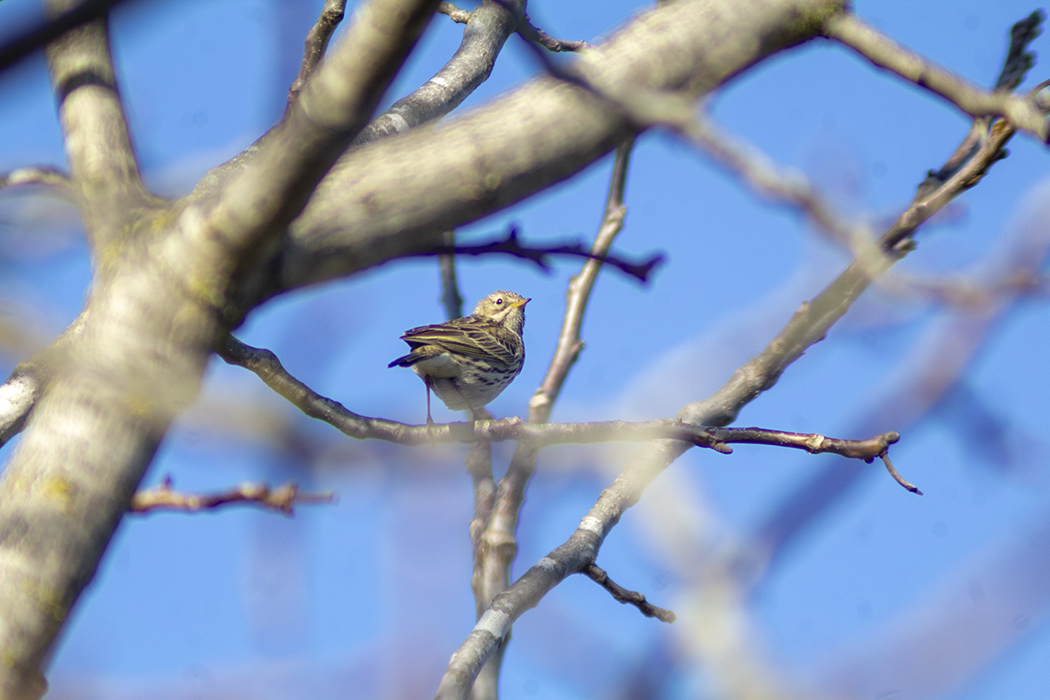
(523, 302)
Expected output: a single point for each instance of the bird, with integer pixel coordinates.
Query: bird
(469, 361)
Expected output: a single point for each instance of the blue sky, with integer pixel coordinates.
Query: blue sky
(339, 596)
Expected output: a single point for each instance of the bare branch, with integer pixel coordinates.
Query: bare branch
(764, 176)
(488, 27)
(103, 167)
(535, 435)
(282, 499)
(454, 13)
(570, 342)
(44, 176)
(451, 299)
(1019, 60)
(43, 34)
(511, 245)
(474, 170)
(548, 42)
(316, 44)
(626, 597)
(263, 198)
(885, 53)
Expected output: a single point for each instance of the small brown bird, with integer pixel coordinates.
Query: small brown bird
(469, 361)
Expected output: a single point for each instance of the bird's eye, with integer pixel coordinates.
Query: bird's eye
(499, 300)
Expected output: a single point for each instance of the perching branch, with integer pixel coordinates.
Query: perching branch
(536, 435)
(283, 498)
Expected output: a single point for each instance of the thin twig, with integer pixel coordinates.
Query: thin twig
(316, 44)
(451, 298)
(540, 255)
(550, 43)
(627, 597)
(283, 498)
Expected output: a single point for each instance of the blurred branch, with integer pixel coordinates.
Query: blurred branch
(764, 177)
(539, 255)
(261, 200)
(550, 43)
(24, 387)
(885, 53)
(538, 35)
(103, 167)
(316, 44)
(557, 131)
(454, 13)
(44, 33)
(451, 298)
(283, 498)
(488, 27)
(45, 176)
(1019, 60)
(626, 597)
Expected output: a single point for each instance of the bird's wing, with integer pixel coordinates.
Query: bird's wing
(472, 339)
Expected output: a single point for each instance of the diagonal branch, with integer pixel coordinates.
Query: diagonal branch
(43, 34)
(472, 169)
(883, 52)
(263, 198)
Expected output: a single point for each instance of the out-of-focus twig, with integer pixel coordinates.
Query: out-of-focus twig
(283, 498)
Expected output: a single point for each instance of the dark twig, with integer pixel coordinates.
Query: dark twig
(316, 44)
(622, 595)
(451, 299)
(1019, 60)
(283, 498)
(540, 255)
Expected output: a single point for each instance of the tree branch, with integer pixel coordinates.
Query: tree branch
(44, 176)
(626, 597)
(261, 200)
(883, 52)
(103, 167)
(472, 168)
(511, 245)
(43, 34)
(282, 499)
(316, 44)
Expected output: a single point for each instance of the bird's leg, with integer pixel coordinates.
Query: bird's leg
(430, 420)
